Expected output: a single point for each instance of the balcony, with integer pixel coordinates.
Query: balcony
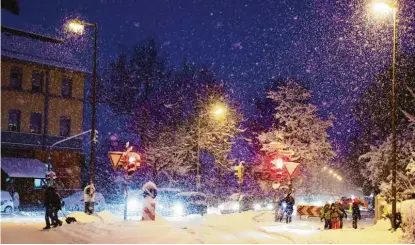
(34, 141)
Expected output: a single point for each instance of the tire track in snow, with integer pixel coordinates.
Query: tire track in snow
(265, 231)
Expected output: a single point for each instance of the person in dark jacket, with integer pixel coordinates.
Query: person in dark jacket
(52, 204)
(343, 213)
(326, 216)
(355, 214)
(289, 200)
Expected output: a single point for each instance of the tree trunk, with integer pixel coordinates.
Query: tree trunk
(219, 185)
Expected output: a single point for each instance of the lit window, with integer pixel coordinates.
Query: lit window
(16, 74)
(38, 184)
(36, 123)
(37, 81)
(14, 120)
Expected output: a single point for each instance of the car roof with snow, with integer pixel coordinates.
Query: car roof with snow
(5, 195)
(190, 193)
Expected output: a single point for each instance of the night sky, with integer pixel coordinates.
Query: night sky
(330, 46)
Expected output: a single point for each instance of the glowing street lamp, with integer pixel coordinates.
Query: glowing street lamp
(386, 7)
(77, 27)
(218, 111)
(382, 7)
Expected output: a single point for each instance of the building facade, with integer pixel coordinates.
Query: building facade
(42, 96)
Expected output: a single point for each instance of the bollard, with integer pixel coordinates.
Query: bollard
(149, 204)
(149, 209)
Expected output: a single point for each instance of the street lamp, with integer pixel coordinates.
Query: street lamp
(386, 7)
(77, 27)
(217, 112)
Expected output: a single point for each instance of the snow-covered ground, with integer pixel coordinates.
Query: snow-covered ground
(247, 227)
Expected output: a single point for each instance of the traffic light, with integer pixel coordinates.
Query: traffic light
(239, 172)
(132, 163)
(278, 163)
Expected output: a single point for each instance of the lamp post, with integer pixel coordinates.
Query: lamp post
(78, 27)
(217, 112)
(385, 7)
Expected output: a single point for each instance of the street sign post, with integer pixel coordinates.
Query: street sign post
(129, 161)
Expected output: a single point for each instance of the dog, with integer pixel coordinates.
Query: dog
(70, 220)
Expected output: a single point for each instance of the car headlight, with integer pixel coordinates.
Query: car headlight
(133, 205)
(235, 206)
(270, 206)
(178, 209)
(221, 207)
(257, 207)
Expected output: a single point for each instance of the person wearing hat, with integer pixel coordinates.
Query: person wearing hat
(51, 202)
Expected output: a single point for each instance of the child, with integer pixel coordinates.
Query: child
(335, 217)
(355, 213)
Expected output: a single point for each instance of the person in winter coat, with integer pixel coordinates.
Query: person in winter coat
(326, 216)
(335, 217)
(52, 204)
(343, 213)
(355, 214)
(289, 200)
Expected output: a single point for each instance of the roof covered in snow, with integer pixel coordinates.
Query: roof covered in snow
(28, 49)
(23, 167)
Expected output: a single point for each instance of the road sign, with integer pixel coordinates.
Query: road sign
(291, 167)
(115, 157)
(275, 185)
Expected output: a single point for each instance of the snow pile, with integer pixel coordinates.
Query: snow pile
(409, 224)
(84, 218)
(149, 186)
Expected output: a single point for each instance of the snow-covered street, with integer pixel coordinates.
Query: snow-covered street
(247, 227)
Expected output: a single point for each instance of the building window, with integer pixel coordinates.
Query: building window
(38, 183)
(36, 123)
(66, 88)
(65, 126)
(14, 120)
(37, 81)
(16, 74)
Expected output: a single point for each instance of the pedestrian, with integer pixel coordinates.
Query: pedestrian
(52, 204)
(355, 213)
(335, 217)
(326, 216)
(290, 202)
(343, 213)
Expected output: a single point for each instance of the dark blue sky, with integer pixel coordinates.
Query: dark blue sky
(322, 43)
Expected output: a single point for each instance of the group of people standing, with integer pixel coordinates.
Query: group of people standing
(333, 215)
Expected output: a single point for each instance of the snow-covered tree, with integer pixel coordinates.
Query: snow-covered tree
(175, 153)
(302, 130)
(377, 165)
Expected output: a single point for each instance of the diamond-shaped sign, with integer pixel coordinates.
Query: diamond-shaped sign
(115, 157)
(291, 167)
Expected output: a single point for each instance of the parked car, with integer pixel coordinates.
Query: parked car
(263, 204)
(7, 205)
(75, 202)
(237, 202)
(165, 200)
(185, 203)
